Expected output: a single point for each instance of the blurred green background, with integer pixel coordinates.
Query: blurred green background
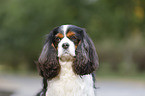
(117, 28)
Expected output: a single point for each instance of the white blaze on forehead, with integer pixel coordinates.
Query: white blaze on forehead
(65, 28)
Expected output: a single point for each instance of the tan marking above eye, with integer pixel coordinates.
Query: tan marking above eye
(59, 35)
(69, 34)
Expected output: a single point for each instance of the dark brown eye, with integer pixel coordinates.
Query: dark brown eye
(73, 38)
(57, 39)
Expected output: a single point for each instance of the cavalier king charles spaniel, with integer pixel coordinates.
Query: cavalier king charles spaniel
(67, 62)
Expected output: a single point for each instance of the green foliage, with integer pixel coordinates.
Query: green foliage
(24, 23)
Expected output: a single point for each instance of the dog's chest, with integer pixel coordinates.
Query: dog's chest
(67, 83)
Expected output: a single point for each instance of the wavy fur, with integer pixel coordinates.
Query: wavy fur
(86, 60)
(48, 65)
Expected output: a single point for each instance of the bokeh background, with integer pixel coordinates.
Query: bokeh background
(117, 28)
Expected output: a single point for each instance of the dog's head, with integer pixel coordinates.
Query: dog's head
(67, 43)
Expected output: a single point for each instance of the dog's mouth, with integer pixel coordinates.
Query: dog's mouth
(66, 52)
(66, 56)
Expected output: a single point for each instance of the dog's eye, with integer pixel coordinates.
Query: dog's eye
(73, 38)
(57, 39)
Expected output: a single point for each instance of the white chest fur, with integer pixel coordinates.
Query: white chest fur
(67, 83)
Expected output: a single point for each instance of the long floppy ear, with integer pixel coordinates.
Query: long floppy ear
(86, 60)
(48, 65)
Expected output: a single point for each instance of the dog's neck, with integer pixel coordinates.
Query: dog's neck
(66, 68)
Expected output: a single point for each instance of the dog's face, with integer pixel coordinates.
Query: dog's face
(67, 42)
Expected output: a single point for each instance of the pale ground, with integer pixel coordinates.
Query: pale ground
(30, 85)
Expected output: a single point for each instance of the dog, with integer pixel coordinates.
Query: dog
(67, 63)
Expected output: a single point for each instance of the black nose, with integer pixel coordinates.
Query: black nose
(65, 45)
